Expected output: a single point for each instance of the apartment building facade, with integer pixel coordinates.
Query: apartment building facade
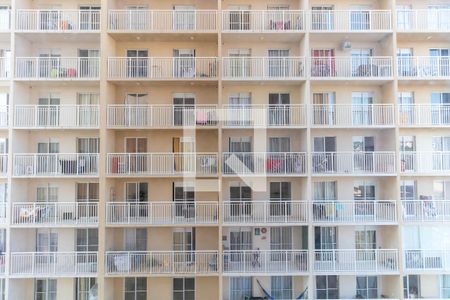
(224, 149)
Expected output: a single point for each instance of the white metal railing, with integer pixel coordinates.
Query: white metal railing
(377, 162)
(259, 68)
(160, 68)
(161, 163)
(426, 210)
(423, 67)
(265, 261)
(157, 213)
(423, 114)
(58, 68)
(425, 162)
(3, 164)
(55, 213)
(55, 164)
(283, 115)
(56, 116)
(423, 20)
(5, 68)
(354, 211)
(4, 116)
(5, 20)
(161, 116)
(263, 20)
(352, 115)
(356, 260)
(73, 264)
(139, 20)
(426, 259)
(271, 211)
(65, 20)
(275, 163)
(161, 262)
(350, 20)
(351, 67)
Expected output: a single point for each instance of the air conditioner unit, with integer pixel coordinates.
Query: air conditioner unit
(346, 45)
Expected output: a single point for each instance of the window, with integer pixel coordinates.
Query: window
(240, 199)
(184, 289)
(240, 144)
(327, 287)
(411, 286)
(280, 239)
(184, 198)
(362, 108)
(136, 239)
(440, 105)
(279, 109)
(441, 189)
(48, 193)
(87, 239)
(280, 198)
(404, 17)
(360, 18)
(240, 288)
(137, 62)
(281, 287)
(45, 289)
(135, 288)
(366, 287)
(239, 17)
(46, 241)
(408, 190)
(445, 286)
(363, 190)
(325, 238)
(364, 240)
(87, 192)
(405, 101)
(86, 288)
(2, 289)
(322, 18)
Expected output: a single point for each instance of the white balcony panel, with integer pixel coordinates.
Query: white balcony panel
(436, 162)
(57, 20)
(249, 211)
(423, 20)
(142, 20)
(53, 264)
(263, 21)
(362, 261)
(262, 163)
(162, 213)
(423, 67)
(55, 214)
(355, 212)
(56, 116)
(373, 67)
(265, 261)
(426, 210)
(348, 163)
(350, 20)
(282, 116)
(56, 164)
(263, 68)
(162, 68)
(353, 115)
(417, 260)
(161, 164)
(161, 262)
(58, 68)
(424, 115)
(161, 116)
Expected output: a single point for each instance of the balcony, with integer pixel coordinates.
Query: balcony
(51, 214)
(263, 68)
(265, 262)
(426, 210)
(353, 163)
(352, 115)
(248, 211)
(56, 116)
(422, 260)
(367, 68)
(3, 164)
(120, 263)
(264, 163)
(162, 68)
(56, 164)
(424, 115)
(430, 163)
(365, 21)
(263, 21)
(362, 261)
(56, 20)
(265, 116)
(354, 212)
(162, 116)
(53, 264)
(58, 68)
(162, 213)
(423, 67)
(423, 20)
(162, 164)
(162, 21)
